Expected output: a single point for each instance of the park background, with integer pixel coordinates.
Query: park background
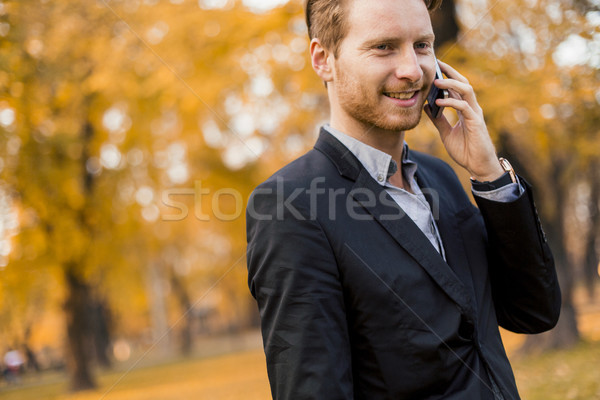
(133, 131)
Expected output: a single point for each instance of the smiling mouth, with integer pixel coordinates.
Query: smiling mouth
(401, 95)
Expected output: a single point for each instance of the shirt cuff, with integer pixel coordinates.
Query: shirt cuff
(487, 186)
(502, 189)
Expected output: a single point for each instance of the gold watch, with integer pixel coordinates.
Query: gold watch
(508, 168)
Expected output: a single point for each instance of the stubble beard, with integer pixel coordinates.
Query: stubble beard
(365, 106)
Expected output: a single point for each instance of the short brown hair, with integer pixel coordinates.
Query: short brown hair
(326, 20)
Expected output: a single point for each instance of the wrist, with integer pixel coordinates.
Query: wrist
(490, 174)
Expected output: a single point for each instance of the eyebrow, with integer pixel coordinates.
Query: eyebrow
(426, 37)
(393, 39)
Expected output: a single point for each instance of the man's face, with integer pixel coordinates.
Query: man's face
(385, 65)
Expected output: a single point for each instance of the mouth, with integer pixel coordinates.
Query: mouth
(401, 95)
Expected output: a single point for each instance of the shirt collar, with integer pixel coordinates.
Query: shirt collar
(377, 163)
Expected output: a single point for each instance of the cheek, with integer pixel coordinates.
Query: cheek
(428, 71)
(428, 76)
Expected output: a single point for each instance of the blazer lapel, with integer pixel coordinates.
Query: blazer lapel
(410, 237)
(448, 222)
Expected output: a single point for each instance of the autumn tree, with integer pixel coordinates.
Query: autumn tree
(105, 106)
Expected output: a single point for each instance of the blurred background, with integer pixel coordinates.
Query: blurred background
(133, 131)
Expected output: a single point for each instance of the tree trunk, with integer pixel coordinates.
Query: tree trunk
(79, 297)
(31, 360)
(591, 260)
(183, 298)
(444, 23)
(76, 309)
(101, 331)
(161, 335)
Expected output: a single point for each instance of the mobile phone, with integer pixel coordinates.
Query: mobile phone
(436, 93)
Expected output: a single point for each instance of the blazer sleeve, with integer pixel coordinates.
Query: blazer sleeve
(293, 274)
(522, 273)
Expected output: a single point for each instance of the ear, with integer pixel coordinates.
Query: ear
(321, 60)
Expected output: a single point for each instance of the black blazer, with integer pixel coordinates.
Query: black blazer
(355, 302)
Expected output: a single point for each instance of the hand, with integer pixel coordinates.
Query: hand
(468, 141)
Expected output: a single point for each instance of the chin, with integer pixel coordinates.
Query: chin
(401, 119)
(401, 122)
(383, 117)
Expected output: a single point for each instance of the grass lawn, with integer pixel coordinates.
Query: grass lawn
(572, 374)
(565, 375)
(241, 374)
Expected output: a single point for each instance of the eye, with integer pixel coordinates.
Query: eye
(422, 45)
(382, 47)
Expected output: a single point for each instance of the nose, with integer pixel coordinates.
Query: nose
(408, 67)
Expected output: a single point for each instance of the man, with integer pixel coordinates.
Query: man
(375, 276)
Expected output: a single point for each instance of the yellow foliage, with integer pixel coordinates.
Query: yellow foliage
(113, 110)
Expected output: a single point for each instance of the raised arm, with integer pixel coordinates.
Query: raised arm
(524, 284)
(522, 273)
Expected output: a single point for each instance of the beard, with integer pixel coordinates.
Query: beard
(368, 107)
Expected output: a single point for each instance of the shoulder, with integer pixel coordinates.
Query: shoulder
(300, 172)
(288, 190)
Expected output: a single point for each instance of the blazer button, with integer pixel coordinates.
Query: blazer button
(466, 329)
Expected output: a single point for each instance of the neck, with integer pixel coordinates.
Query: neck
(390, 142)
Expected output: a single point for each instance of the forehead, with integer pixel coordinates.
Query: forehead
(401, 19)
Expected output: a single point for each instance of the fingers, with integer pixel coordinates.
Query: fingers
(459, 105)
(459, 90)
(458, 86)
(452, 73)
(462, 99)
(441, 123)
(463, 89)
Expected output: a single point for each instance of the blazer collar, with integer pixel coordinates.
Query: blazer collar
(403, 230)
(346, 163)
